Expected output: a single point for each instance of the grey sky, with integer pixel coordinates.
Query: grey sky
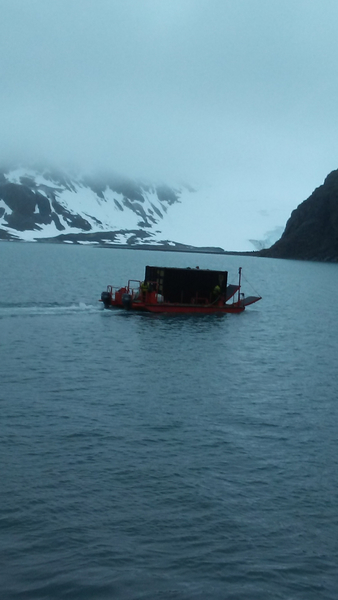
(241, 94)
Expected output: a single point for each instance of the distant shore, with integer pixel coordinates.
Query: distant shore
(197, 250)
(149, 247)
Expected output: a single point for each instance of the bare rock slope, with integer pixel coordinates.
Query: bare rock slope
(311, 232)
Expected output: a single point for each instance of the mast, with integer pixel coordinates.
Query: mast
(239, 283)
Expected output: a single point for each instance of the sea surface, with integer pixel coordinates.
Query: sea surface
(157, 457)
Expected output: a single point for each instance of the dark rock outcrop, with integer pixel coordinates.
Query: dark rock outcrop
(29, 210)
(311, 232)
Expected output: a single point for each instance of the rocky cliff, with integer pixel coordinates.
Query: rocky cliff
(311, 232)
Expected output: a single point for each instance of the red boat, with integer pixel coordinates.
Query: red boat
(179, 291)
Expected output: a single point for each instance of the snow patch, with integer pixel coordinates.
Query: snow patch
(206, 217)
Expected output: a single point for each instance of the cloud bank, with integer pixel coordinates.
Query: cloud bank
(235, 96)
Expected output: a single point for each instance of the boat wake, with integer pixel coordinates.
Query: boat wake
(27, 309)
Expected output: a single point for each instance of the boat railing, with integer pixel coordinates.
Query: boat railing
(200, 300)
(111, 290)
(114, 289)
(133, 287)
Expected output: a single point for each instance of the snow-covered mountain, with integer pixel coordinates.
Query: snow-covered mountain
(47, 205)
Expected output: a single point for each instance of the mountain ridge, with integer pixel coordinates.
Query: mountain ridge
(49, 205)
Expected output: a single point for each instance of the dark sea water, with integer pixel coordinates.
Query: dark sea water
(149, 457)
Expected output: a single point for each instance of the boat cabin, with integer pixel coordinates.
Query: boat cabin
(187, 286)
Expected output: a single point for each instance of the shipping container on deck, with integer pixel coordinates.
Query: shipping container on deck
(186, 285)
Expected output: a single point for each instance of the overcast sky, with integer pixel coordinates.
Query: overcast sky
(238, 96)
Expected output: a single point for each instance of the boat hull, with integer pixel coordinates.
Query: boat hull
(176, 309)
(190, 309)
